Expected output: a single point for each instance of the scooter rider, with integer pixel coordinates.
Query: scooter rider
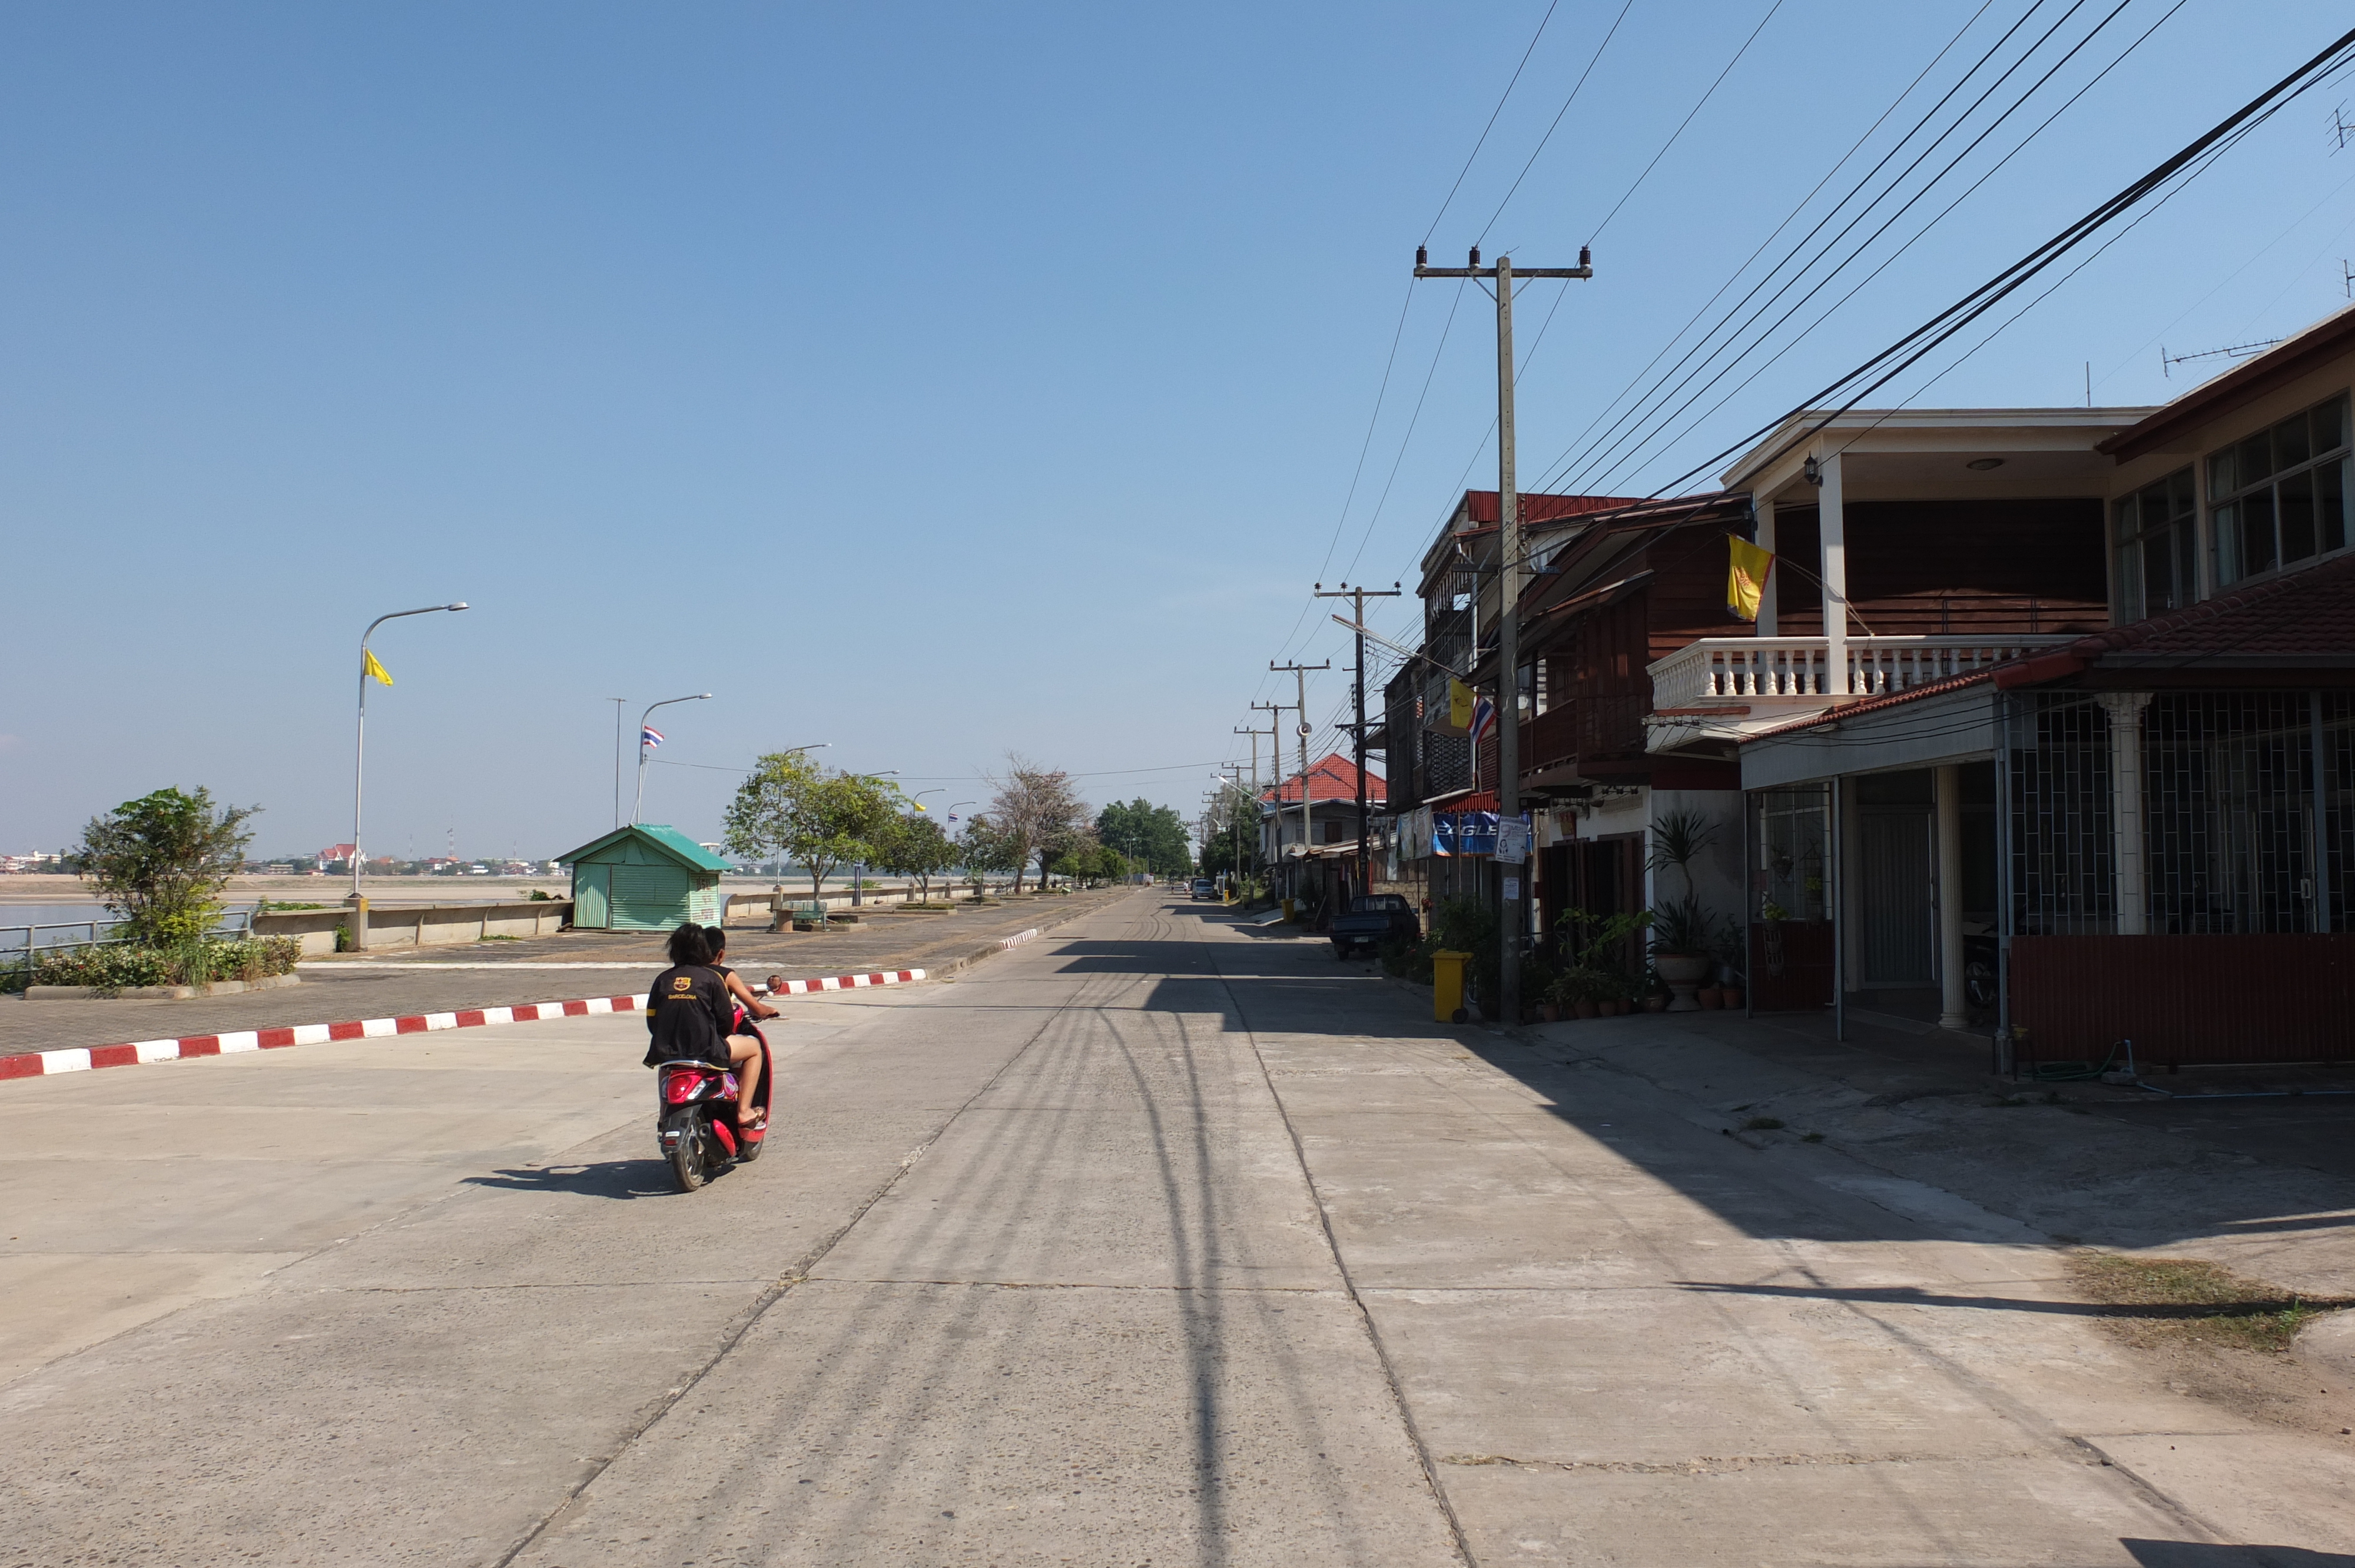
(689, 1014)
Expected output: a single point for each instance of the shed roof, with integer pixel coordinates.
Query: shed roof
(655, 835)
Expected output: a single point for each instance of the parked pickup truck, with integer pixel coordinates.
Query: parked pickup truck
(1372, 920)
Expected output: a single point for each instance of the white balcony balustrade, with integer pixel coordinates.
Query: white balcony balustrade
(1731, 671)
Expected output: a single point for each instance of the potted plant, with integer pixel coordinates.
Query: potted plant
(1681, 939)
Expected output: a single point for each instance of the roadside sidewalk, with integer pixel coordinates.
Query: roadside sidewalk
(2265, 1187)
(509, 974)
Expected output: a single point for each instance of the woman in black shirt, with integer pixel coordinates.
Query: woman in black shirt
(689, 1014)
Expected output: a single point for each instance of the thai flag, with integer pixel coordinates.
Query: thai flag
(1483, 719)
(650, 737)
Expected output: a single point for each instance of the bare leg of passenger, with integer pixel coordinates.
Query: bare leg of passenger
(746, 1052)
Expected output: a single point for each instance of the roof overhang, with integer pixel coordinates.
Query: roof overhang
(1955, 726)
(1924, 453)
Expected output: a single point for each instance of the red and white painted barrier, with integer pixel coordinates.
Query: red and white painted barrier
(45, 1064)
(841, 983)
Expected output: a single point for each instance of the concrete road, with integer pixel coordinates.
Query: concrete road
(1163, 1240)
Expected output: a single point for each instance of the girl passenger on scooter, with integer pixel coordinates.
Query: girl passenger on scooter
(691, 1017)
(752, 1006)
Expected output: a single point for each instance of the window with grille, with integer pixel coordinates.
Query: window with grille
(2280, 497)
(2156, 546)
(2247, 803)
(2062, 858)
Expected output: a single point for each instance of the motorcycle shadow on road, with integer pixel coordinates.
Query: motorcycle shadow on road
(618, 1178)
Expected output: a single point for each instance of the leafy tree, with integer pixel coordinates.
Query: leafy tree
(914, 845)
(1231, 835)
(159, 860)
(985, 848)
(1036, 809)
(1154, 835)
(811, 814)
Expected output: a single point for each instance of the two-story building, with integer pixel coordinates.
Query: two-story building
(1313, 853)
(2142, 829)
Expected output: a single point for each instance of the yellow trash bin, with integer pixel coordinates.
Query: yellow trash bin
(1447, 984)
(1289, 913)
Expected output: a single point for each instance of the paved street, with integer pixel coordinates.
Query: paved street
(1163, 1239)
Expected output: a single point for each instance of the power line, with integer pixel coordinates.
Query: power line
(1492, 120)
(1557, 113)
(1661, 390)
(1917, 236)
(1788, 218)
(1908, 350)
(1687, 120)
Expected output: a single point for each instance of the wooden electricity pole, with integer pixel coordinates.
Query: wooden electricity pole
(1514, 921)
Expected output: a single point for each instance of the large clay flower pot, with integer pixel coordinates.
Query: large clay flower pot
(1683, 972)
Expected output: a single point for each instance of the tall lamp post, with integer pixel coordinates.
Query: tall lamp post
(371, 668)
(859, 868)
(639, 804)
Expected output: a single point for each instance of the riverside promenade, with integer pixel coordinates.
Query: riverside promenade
(404, 981)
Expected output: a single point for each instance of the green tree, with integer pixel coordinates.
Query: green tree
(1231, 835)
(984, 849)
(811, 814)
(159, 861)
(914, 845)
(1153, 835)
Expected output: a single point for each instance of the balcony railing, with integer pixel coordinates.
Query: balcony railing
(1797, 669)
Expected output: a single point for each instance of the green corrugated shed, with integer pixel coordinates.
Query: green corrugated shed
(644, 877)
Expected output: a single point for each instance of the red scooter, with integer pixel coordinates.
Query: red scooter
(698, 1121)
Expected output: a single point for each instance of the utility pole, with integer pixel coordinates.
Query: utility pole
(1274, 766)
(1276, 752)
(1360, 594)
(1515, 923)
(1299, 673)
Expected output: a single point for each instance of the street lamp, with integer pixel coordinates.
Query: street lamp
(370, 667)
(917, 798)
(859, 867)
(638, 805)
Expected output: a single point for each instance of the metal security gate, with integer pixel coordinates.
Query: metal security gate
(649, 898)
(2246, 851)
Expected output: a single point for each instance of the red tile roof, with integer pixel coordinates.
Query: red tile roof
(2299, 616)
(1873, 705)
(1333, 779)
(1480, 505)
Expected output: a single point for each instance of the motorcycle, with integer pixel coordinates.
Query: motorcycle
(698, 1121)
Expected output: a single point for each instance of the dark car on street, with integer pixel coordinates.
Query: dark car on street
(1372, 920)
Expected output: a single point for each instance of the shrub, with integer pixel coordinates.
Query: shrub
(118, 966)
(159, 861)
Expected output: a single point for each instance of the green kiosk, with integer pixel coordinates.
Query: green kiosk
(644, 877)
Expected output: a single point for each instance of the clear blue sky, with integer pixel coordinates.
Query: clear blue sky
(931, 380)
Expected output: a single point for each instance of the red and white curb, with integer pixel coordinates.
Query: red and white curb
(842, 982)
(48, 1064)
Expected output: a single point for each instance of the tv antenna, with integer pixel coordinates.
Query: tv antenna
(2339, 128)
(2167, 362)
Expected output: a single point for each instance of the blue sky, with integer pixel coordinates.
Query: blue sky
(933, 381)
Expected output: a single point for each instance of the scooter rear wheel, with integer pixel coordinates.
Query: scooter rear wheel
(687, 1153)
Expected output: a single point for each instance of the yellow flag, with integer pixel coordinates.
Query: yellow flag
(372, 668)
(1747, 579)
(1460, 701)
